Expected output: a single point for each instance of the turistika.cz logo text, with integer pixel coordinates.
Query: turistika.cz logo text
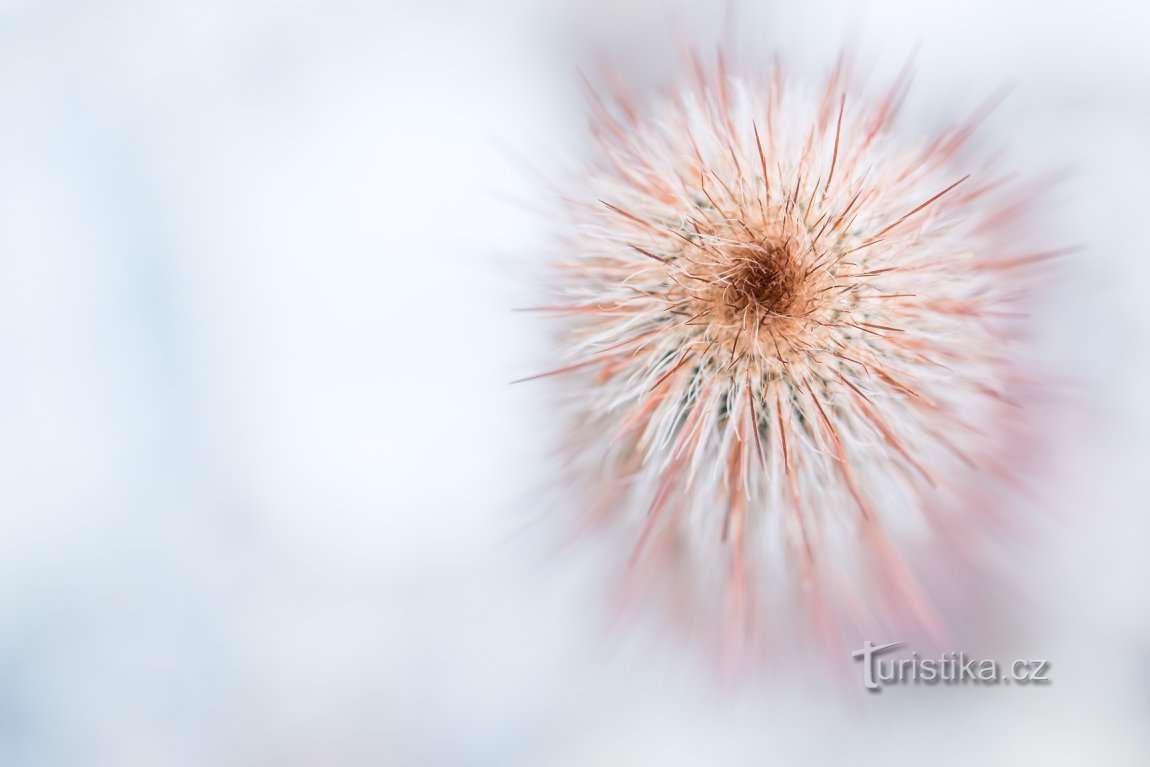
(949, 668)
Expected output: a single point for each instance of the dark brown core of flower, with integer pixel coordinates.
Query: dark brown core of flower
(760, 286)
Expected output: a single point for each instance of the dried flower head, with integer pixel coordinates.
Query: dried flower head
(788, 344)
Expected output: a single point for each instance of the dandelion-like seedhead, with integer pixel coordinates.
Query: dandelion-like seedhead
(788, 347)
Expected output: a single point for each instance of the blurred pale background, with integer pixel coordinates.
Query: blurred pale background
(263, 485)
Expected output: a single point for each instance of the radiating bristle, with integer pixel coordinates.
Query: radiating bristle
(788, 344)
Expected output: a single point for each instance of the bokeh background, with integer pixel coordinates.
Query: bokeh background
(266, 496)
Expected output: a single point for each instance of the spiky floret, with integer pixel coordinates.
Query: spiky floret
(788, 342)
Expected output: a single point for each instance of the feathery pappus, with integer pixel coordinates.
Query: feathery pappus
(788, 347)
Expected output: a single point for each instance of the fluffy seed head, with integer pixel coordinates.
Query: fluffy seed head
(788, 339)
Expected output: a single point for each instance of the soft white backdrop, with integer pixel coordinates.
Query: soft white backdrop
(263, 485)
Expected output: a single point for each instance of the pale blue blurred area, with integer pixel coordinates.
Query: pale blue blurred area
(255, 471)
(263, 483)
